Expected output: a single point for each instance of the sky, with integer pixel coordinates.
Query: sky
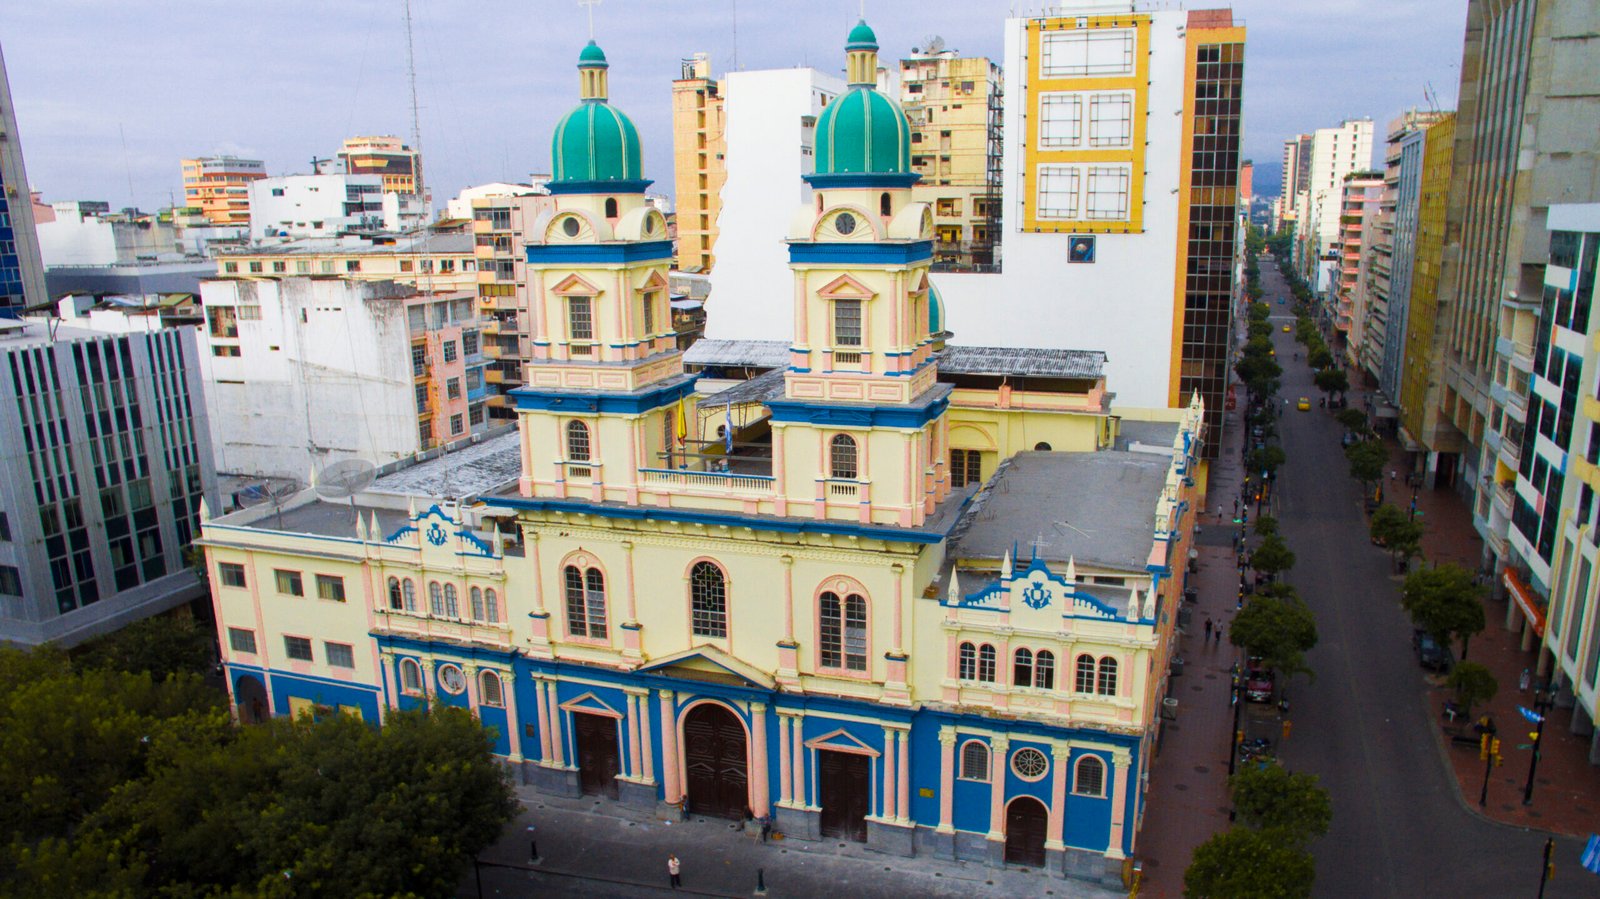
(109, 96)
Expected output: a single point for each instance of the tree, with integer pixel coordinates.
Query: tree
(1400, 533)
(161, 645)
(1266, 459)
(1444, 601)
(1353, 420)
(1277, 626)
(1266, 526)
(1332, 380)
(1473, 684)
(1272, 557)
(1248, 864)
(1367, 460)
(1317, 355)
(1290, 806)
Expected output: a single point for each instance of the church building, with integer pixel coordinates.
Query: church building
(757, 580)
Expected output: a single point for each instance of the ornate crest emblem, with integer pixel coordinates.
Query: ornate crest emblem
(1037, 596)
(437, 535)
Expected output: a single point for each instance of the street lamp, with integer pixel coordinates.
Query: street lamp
(1544, 699)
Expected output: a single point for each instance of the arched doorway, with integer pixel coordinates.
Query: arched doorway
(715, 762)
(252, 698)
(1026, 823)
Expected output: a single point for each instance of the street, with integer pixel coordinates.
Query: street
(1399, 826)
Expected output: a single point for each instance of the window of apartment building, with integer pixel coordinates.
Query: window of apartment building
(231, 268)
(302, 268)
(276, 191)
(289, 582)
(280, 267)
(449, 351)
(406, 265)
(1107, 196)
(1086, 52)
(469, 343)
(297, 648)
(422, 398)
(340, 655)
(475, 415)
(949, 206)
(966, 467)
(255, 267)
(327, 266)
(448, 266)
(452, 388)
(5, 528)
(10, 581)
(352, 265)
(1059, 191)
(231, 574)
(419, 359)
(1111, 119)
(241, 640)
(455, 424)
(330, 587)
(425, 434)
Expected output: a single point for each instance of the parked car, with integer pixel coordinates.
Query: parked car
(1349, 439)
(1304, 405)
(1285, 327)
(1430, 653)
(1259, 684)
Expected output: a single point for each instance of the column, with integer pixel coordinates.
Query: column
(800, 763)
(427, 679)
(513, 726)
(947, 779)
(999, 749)
(634, 755)
(889, 779)
(545, 752)
(391, 695)
(649, 773)
(899, 605)
(558, 746)
(785, 752)
(470, 672)
(903, 787)
(1122, 759)
(1055, 837)
(788, 597)
(760, 797)
(669, 746)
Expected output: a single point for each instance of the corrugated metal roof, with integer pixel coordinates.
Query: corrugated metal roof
(753, 353)
(759, 389)
(955, 359)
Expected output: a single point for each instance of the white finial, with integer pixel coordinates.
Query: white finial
(590, 5)
(205, 509)
(361, 529)
(1072, 571)
(955, 589)
(377, 529)
(863, 10)
(1005, 567)
(1149, 604)
(1133, 605)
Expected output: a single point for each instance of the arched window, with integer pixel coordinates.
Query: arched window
(1042, 447)
(1022, 670)
(410, 676)
(477, 604)
(883, 204)
(586, 602)
(577, 441)
(491, 606)
(1108, 677)
(708, 600)
(843, 631)
(968, 667)
(842, 457)
(451, 608)
(1085, 680)
(986, 663)
(435, 598)
(974, 760)
(408, 591)
(490, 690)
(819, 201)
(611, 207)
(1090, 777)
(396, 600)
(1044, 670)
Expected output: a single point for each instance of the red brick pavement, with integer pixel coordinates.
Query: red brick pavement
(1566, 793)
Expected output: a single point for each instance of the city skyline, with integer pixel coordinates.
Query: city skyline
(91, 133)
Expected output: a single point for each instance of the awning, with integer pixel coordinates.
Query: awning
(1523, 597)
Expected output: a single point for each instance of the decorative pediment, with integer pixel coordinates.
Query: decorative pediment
(654, 281)
(575, 285)
(590, 704)
(841, 740)
(845, 287)
(435, 529)
(712, 665)
(922, 283)
(1036, 588)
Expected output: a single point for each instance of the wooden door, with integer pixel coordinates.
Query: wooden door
(1026, 823)
(844, 785)
(599, 757)
(714, 755)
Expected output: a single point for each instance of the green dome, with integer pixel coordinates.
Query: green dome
(592, 55)
(595, 142)
(861, 37)
(935, 311)
(863, 132)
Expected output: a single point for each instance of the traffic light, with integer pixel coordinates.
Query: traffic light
(1484, 747)
(1494, 750)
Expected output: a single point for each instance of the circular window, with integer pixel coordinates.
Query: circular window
(1042, 447)
(453, 681)
(570, 227)
(845, 223)
(1029, 764)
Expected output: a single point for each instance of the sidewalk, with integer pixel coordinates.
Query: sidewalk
(596, 847)
(1566, 790)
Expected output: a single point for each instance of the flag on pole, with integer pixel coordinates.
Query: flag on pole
(1532, 716)
(1591, 855)
(682, 423)
(727, 429)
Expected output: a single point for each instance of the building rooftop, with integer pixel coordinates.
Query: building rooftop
(1153, 434)
(953, 359)
(1096, 508)
(461, 474)
(389, 244)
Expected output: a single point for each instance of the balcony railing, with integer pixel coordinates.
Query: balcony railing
(710, 481)
(842, 489)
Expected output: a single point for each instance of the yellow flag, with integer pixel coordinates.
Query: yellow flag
(682, 424)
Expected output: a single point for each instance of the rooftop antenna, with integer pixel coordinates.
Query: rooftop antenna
(590, 5)
(343, 480)
(411, 75)
(735, 35)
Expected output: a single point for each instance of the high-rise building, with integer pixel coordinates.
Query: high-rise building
(501, 226)
(699, 147)
(398, 165)
(1358, 201)
(954, 105)
(219, 186)
(324, 205)
(21, 271)
(1332, 155)
(105, 461)
(1420, 379)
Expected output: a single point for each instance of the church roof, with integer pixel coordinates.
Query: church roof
(863, 132)
(954, 359)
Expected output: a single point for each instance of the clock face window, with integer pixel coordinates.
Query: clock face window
(845, 223)
(452, 680)
(570, 227)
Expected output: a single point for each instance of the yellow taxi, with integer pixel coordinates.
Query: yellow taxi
(1285, 329)
(1304, 405)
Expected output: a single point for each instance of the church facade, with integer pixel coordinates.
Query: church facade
(769, 586)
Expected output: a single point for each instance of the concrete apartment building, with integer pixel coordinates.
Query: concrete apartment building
(1358, 203)
(1421, 381)
(21, 271)
(301, 372)
(954, 106)
(1334, 154)
(87, 233)
(699, 146)
(105, 462)
(319, 205)
(219, 186)
(398, 165)
(501, 227)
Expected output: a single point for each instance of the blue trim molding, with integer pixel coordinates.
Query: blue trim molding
(816, 253)
(836, 415)
(829, 180)
(599, 253)
(531, 399)
(636, 186)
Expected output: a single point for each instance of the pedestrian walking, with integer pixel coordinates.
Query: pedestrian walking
(1217, 637)
(1208, 627)
(1524, 680)
(673, 867)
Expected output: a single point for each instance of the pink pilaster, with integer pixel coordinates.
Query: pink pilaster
(903, 786)
(947, 779)
(788, 598)
(799, 763)
(669, 746)
(760, 798)
(648, 775)
(1054, 835)
(513, 727)
(1119, 803)
(557, 744)
(546, 754)
(635, 757)
(785, 777)
(889, 779)
(391, 695)
(471, 673)
(999, 748)
(899, 604)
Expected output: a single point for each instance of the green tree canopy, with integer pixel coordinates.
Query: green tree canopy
(1332, 380)
(1353, 420)
(1248, 864)
(1272, 557)
(1266, 526)
(1267, 459)
(1259, 312)
(1317, 355)
(1277, 626)
(1367, 460)
(1473, 684)
(1291, 806)
(1444, 601)
(1399, 532)
(162, 645)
